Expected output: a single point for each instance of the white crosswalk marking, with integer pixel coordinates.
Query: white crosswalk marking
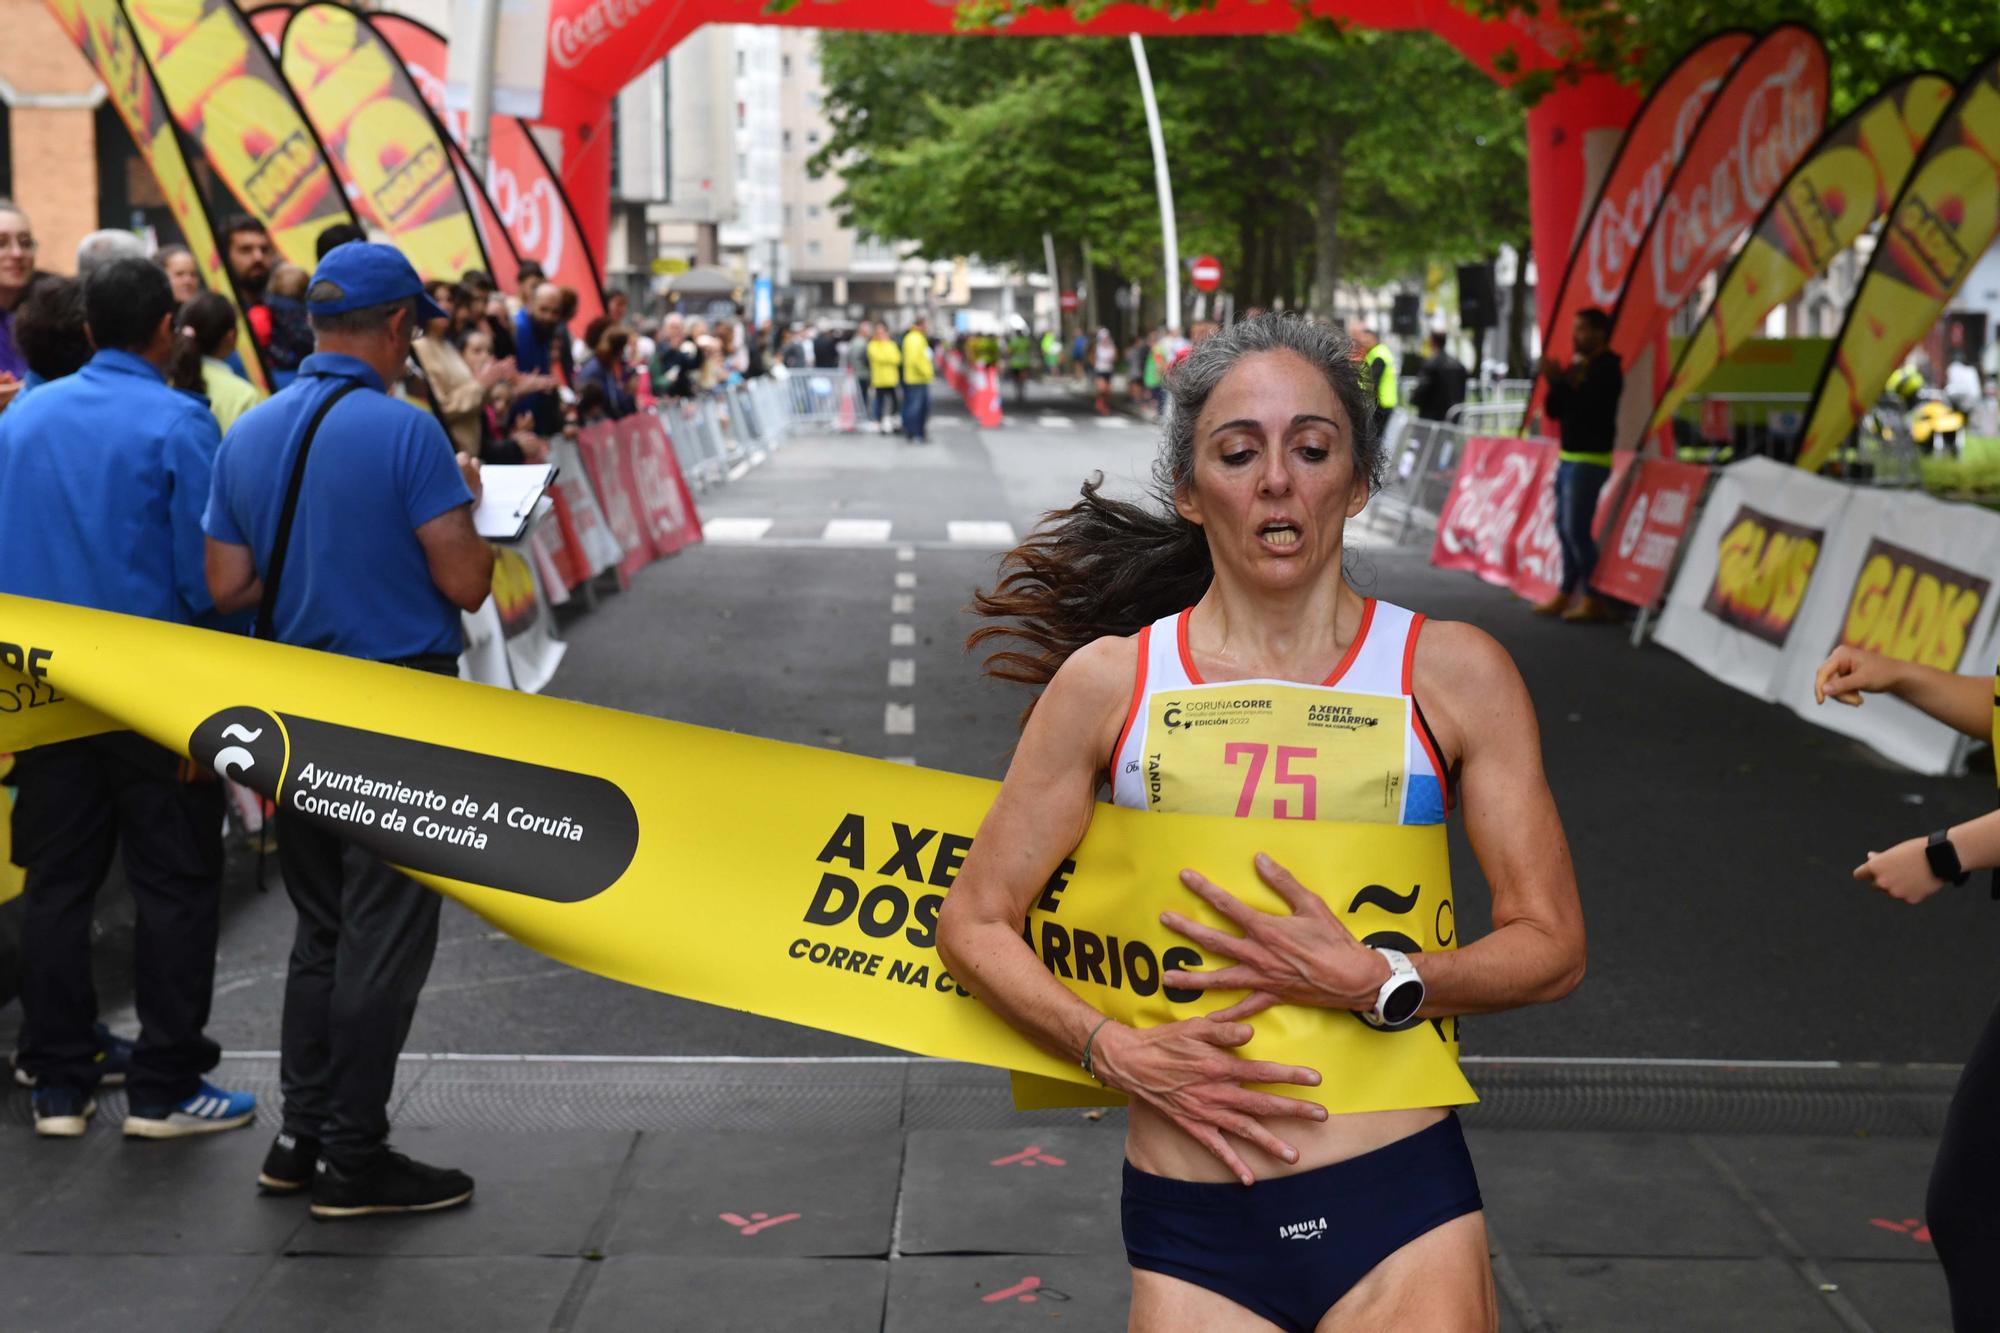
(903, 759)
(905, 579)
(902, 603)
(906, 553)
(902, 636)
(899, 719)
(902, 672)
(1053, 421)
(979, 532)
(729, 530)
(1114, 423)
(854, 530)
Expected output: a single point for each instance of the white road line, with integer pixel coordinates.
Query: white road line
(1114, 423)
(905, 579)
(902, 603)
(899, 719)
(902, 672)
(856, 530)
(1053, 421)
(906, 553)
(901, 759)
(980, 532)
(902, 636)
(738, 472)
(725, 530)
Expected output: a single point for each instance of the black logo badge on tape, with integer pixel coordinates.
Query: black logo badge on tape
(522, 828)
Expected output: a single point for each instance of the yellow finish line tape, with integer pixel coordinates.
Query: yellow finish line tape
(789, 882)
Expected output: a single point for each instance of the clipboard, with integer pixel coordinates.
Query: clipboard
(512, 497)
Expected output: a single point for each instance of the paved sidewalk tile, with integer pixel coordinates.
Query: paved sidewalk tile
(31, 1167)
(1895, 1297)
(1580, 1295)
(1008, 1291)
(756, 1195)
(535, 1194)
(131, 1196)
(1034, 1190)
(1616, 1194)
(1841, 1198)
(76, 1293)
(729, 1295)
(325, 1294)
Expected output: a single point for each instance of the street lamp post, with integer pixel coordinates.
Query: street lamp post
(1170, 241)
(485, 41)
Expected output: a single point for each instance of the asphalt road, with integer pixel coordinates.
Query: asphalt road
(1713, 834)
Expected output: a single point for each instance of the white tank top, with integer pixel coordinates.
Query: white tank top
(1354, 747)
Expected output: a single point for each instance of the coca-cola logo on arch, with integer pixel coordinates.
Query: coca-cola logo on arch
(572, 37)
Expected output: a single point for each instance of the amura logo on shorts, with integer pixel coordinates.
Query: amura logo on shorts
(1912, 608)
(1762, 569)
(1311, 1229)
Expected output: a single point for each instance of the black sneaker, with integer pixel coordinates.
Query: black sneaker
(392, 1183)
(288, 1167)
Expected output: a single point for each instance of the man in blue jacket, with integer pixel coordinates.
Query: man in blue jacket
(103, 476)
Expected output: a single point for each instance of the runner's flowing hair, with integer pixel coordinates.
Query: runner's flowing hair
(1105, 566)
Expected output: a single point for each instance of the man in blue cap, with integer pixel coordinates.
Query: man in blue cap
(103, 474)
(346, 519)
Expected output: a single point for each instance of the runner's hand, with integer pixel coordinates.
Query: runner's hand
(1305, 956)
(1850, 672)
(1187, 1073)
(1903, 872)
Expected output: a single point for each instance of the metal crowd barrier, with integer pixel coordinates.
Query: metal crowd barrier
(1423, 459)
(823, 399)
(723, 433)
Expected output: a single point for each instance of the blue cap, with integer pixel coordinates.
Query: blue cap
(366, 274)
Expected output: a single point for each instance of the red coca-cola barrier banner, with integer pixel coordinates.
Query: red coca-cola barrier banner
(1500, 520)
(1538, 559)
(613, 477)
(662, 492)
(1651, 524)
(1492, 495)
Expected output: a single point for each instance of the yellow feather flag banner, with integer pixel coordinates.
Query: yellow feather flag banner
(1945, 218)
(798, 884)
(223, 89)
(99, 29)
(1830, 199)
(380, 135)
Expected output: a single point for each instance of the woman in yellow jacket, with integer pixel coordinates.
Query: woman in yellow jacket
(885, 365)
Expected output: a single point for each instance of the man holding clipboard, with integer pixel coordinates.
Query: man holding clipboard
(345, 518)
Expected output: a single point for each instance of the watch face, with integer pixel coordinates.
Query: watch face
(1401, 1006)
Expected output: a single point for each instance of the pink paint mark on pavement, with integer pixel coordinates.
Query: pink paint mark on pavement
(757, 1222)
(1032, 1155)
(1913, 1227)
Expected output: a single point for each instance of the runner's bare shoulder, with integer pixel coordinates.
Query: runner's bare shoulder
(1091, 693)
(1462, 678)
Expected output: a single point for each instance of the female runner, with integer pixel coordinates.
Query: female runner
(1269, 449)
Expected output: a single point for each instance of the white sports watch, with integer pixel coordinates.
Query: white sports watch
(1401, 995)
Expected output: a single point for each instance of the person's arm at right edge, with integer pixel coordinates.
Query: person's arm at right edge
(1963, 703)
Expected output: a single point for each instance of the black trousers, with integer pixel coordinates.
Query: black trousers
(78, 800)
(1964, 1205)
(365, 939)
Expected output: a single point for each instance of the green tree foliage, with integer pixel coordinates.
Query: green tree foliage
(1297, 160)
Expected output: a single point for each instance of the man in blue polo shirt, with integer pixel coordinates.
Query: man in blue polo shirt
(103, 475)
(380, 558)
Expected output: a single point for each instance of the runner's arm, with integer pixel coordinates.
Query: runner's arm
(1475, 698)
(1963, 703)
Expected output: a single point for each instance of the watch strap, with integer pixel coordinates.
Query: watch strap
(1943, 858)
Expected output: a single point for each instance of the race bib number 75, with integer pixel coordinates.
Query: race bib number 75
(1273, 751)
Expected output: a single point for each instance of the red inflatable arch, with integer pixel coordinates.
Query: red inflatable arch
(596, 47)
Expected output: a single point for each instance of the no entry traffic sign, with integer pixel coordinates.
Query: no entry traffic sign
(1206, 271)
(1067, 300)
